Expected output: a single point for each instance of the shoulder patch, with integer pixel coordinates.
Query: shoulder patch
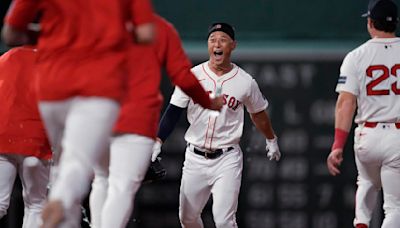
(342, 79)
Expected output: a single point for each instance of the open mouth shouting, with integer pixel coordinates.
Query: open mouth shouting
(218, 55)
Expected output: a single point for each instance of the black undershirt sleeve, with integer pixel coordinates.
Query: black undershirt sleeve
(168, 121)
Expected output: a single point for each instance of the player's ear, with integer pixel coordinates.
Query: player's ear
(370, 25)
(234, 44)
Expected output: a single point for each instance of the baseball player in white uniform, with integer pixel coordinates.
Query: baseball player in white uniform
(369, 82)
(213, 159)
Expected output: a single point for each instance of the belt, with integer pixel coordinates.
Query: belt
(374, 124)
(211, 154)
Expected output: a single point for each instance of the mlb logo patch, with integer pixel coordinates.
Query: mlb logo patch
(342, 79)
(217, 26)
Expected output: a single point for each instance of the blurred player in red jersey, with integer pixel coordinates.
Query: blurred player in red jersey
(81, 65)
(136, 128)
(24, 148)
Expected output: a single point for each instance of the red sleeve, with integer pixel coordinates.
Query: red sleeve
(142, 12)
(178, 68)
(21, 13)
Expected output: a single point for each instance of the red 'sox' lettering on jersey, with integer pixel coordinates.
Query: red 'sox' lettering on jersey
(230, 101)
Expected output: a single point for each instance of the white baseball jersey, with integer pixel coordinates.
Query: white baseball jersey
(371, 72)
(238, 89)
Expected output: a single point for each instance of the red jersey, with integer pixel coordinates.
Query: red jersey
(140, 111)
(21, 129)
(82, 43)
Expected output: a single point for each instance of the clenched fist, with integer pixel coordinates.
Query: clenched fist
(334, 160)
(156, 149)
(272, 149)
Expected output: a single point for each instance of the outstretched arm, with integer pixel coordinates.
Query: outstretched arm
(344, 112)
(167, 124)
(168, 121)
(263, 123)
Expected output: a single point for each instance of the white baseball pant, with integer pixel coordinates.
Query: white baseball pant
(202, 177)
(98, 194)
(34, 176)
(82, 126)
(377, 152)
(130, 158)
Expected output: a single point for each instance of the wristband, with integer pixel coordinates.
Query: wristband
(340, 139)
(159, 140)
(270, 141)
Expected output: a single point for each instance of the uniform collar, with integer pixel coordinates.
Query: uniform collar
(210, 73)
(385, 40)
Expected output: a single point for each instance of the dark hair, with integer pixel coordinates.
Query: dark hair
(385, 26)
